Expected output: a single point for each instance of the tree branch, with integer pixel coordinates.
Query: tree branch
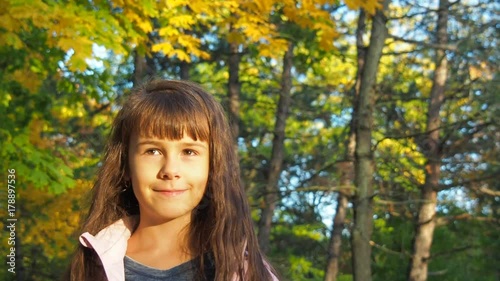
(488, 191)
(389, 251)
(448, 47)
(453, 251)
(440, 221)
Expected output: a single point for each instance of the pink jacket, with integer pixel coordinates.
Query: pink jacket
(110, 245)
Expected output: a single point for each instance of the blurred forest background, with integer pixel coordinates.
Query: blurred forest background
(367, 130)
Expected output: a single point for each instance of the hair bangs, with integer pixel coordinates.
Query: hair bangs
(170, 115)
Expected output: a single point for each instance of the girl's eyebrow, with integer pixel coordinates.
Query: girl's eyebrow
(147, 142)
(197, 144)
(184, 143)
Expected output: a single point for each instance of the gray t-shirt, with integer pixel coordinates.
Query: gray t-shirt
(135, 271)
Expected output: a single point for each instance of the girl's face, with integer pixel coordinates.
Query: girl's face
(168, 177)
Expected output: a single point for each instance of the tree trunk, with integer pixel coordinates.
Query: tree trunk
(140, 68)
(184, 70)
(144, 67)
(271, 189)
(234, 89)
(233, 92)
(363, 206)
(185, 66)
(335, 246)
(426, 218)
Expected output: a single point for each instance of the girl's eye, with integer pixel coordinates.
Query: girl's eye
(153, 151)
(190, 152)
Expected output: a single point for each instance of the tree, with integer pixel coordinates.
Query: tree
(270, 197)
(427, 211)
(363, 167)
(346, 166)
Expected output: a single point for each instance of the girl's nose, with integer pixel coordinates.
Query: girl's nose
(170, 168)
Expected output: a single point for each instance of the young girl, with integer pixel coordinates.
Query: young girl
(168, 202)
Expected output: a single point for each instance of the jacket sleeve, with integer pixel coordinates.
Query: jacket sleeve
(270, 271)
(110, 244)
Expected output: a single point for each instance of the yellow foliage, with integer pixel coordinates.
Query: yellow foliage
(10, 23)
(49, 220)
(483, 70)
(252, 71)
(146, 8)
(406, 151)
(181, 55)
(65, 112)
(252, 20)
(275, 49)
(182, 21)
(304, 231)
(188, 42)
(235, 37)
(36, 127)
(70, 26)
(201, 7)
(99, 120)
(144, 24)
(164, 47)
(176, 3)
(66, 25)
(326, 35)
(461, 102)
(264, 6)
(27, 78)
(254, 32)
(168, 31)
(9, 39)
(5, 98)
(370, 6)
(381, 225)
(334, 69)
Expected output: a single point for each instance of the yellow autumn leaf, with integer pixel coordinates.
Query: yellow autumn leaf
(370, 6)
(235, 37)
(181, 55)
(28, 79)
(143, 23)
(275, 49)
(11, 39)
(168, 31)
(176, 3)
(201, 54)
(8, 22)
(264, 6)
(483, 70)
(182, 21)
(201, 7)
(189, 42)
(165, 47)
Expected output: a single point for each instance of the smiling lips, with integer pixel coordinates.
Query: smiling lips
(170, 192)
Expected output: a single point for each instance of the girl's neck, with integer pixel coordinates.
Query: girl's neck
(160, 245)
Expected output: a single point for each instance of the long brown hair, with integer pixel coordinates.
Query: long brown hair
(221, 224)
